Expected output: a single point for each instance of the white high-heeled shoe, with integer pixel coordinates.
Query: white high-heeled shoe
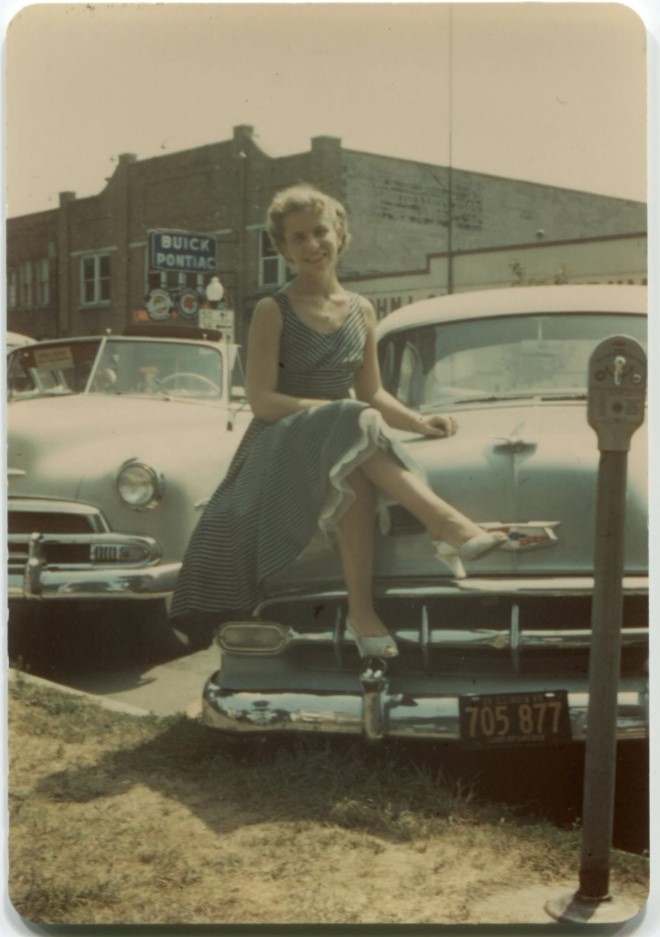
(382, 645)
(473, 549)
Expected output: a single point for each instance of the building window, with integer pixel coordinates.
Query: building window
(12, 288)
(95, 279)
(43, 281)
(272, 266)
(25, 283)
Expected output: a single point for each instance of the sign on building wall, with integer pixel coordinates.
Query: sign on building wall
(181, 251)
(220, 319)
(159, 305)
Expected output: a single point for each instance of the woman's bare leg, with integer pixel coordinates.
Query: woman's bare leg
(356, 547)
(383, 471)
(441, 520)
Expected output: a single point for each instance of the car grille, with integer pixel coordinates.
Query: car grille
(466, 633)
(28, 522)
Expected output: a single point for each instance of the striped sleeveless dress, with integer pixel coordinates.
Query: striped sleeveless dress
(287, 478)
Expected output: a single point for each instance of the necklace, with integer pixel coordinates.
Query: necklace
(325, 316)
(329, 321)
(322, 313)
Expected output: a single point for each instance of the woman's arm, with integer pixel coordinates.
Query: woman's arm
(369, 388)
(263, 362)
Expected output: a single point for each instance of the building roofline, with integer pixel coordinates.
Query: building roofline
(490, 175)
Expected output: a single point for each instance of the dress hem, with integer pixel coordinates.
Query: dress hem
(340, 494)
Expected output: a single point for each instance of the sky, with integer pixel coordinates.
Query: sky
(546, 92)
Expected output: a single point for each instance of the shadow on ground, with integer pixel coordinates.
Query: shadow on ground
(294, 779)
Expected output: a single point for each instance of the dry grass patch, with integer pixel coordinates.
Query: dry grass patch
(121, 819)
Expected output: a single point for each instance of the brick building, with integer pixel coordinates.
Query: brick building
(90, 264)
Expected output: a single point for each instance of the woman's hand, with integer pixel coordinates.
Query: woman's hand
(369, 388)
(438, 425)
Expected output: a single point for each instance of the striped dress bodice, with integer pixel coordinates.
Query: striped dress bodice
(314, 364)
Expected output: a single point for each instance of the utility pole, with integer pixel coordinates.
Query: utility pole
(450, 181)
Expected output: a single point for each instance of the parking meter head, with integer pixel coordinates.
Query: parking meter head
(616, 391)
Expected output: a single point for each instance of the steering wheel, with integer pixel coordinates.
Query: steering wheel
(205, 382)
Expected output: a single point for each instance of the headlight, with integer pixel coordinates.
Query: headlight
(139, 485)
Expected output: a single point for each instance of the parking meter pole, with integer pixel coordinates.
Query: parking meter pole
(604, 667)
(616, 384)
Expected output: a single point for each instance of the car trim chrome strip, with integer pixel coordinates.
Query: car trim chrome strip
(426, 638)
(33, 567)
(337, 635)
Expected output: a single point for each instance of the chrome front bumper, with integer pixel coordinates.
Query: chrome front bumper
(375, 713)
(146, 579)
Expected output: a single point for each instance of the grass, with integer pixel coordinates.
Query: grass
(121, 819)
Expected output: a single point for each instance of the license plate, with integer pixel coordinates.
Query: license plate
(498, 719)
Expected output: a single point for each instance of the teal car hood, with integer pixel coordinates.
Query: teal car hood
(72, 447)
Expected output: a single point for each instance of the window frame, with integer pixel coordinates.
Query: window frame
(25, 284)
(269, 256)
(42, 281)
(12, 288)
(98, 280)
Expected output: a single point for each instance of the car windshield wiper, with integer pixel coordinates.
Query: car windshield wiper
(491, 398)
(565, 395)
(496, 398)
(159, 395)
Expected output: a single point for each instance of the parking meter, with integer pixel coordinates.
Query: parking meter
(616, 389)
(615, 409)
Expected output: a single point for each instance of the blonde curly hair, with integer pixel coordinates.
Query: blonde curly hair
(298, 198)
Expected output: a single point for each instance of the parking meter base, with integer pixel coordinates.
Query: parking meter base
(574, 909)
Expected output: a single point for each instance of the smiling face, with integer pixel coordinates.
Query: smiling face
(313, 239)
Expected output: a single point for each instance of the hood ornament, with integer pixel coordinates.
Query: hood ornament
(525, 535)
(515, 441)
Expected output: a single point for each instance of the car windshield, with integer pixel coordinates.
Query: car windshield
(437, 364)
(114, 366)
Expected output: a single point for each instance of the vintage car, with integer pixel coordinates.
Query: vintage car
(499, 658)
(115, 443)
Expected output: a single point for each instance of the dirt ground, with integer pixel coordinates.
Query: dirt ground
(120, 819)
